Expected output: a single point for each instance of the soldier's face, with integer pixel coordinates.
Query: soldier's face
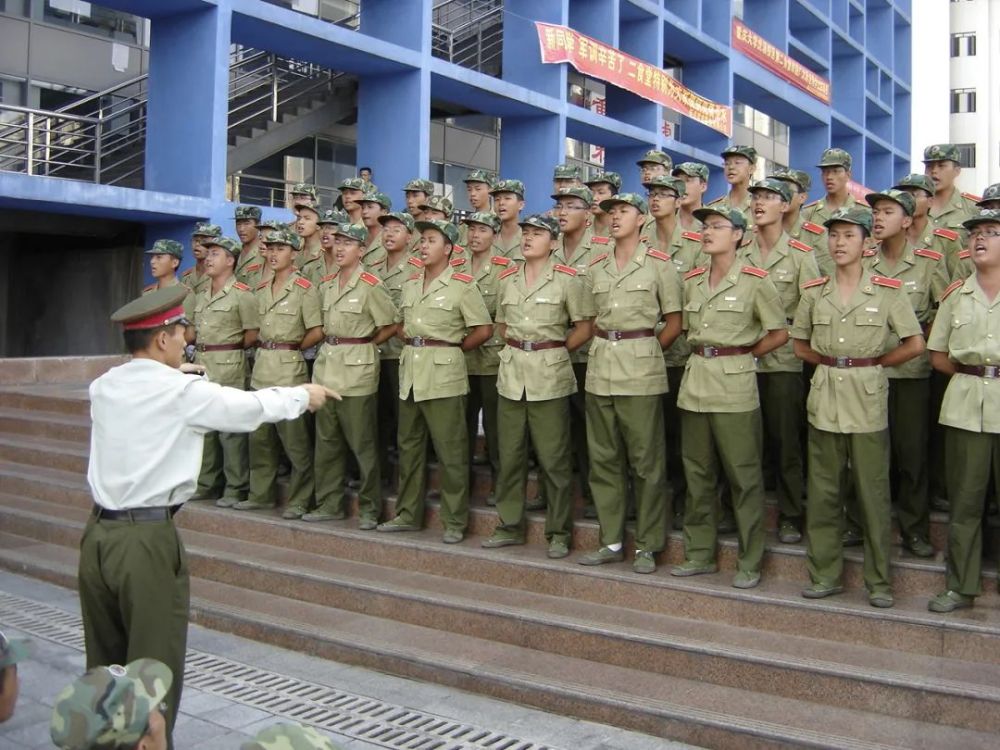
(479, 195)
(943, 173)
(625, 220)
(737, 169)
(350, 197)
(507, 206)
(156, 736)
(302, 199)
(602, 191)
(326, 235)
(662, 202)
(217, 261)
(572, 214)
(798, 197)
(434, 249)
(346, 251)
(246, 230)
(171, 344)
(162, 264)
(480, 237)
(834, 179)
(413, 200)
(719, 236)
(536, 242)
(888, 219)
(370, 211)
(432, 214)
(280, 257)
(922, 200)
(198, 249)
(307, 224)
(767, 207)
(395, 236)
(650, 169)
(984, 242)
(846, 242)
(695, 190)
(564, 182)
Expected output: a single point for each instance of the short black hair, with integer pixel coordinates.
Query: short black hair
(366, 169)
(141, 338)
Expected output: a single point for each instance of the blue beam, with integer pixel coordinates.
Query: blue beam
(529, 148)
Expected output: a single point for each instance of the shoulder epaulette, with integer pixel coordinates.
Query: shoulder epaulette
(891, 283)
(598, 259)
(500, 260)
(303, 282)
(965, 254)
(814, 203)
(463, 277)
(923, 252)
(241, 286)
(658, 254)
(149, 288)
(509, 272)
(951, 288)
(254, 267)
(456, 262)
(263, 284)
(415, 262)
(457, 249)
(414, 277)
(948, 234)
(814, 228)
(370, 278)
(691, 236)
(695, 272)
(869, 253)
(565, 269)
(800, 245)
(188, 272)
(329, 277)
(746, 240)
(600, 240)
(720, 199)
(973, 198)
(760, 273)
(816, 282)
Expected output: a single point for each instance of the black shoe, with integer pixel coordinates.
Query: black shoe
(852, 538)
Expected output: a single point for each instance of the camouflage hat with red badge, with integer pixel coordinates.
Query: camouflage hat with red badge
(401, 216)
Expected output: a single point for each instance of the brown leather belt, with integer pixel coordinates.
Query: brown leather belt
(642, 333)
(218, 347)
(534, 346)
(845, 362)
(710, 352)
(980, 371)
(136, 515)
(420, 341)
(337, 340)
(282, 345)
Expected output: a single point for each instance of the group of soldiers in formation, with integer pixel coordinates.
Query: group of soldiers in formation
(674, 353)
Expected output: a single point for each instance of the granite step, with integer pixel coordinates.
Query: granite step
(27, 450)
(57, 399)
(68, 427)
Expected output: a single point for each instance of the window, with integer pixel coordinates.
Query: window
(966, 154)
(963, 100)
(963, 45)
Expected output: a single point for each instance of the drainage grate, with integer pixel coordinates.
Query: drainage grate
(348, 714)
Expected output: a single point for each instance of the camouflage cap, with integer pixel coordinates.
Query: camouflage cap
(11, 651)
(632, 199)
(449, 230)
(420, 186)
(990, 194)
(984, 216)
(835, 157)
(566, 172)
(748, 152)
(733, 215)
(354, 231)
(400, 216)
(772, 185)
(204, 229)
(376, 197)
(611, 178)
(333, 216)
(480, 175)
(655, 156)
(854, 215)
(488, 218)
(303, 188)
(692, 169)
(167, 247)
(942, 152)
(916, 180)
(247, 212)
(355, 183)
(897, 196)
(666, 181)
(228, 244)
(283, 237)
(541, 221)
(577, 191)
(438, 203)
(508, 186)
(289, 737)
(272, 224)
(301, 205)
(109, 706)
(800, 178)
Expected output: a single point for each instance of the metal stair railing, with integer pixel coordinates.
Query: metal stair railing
(243, 187)
(476, 44)
(452, 14)
(345, 13)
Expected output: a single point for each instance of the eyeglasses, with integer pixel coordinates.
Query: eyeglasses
(718, 227)
(987, 233)
(563, 207)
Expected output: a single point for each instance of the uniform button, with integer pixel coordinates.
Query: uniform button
(841, 340)
(704, 325)
(840, 378)
(418, 320)
(843, 320)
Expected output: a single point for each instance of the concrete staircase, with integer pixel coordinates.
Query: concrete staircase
(689, 659)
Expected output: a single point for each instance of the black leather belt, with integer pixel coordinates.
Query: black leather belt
(136, 515)
(980, 371)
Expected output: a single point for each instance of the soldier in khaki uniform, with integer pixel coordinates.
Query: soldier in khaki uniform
(373, 207)
(442, 316)
(949, 206)
(290, 322)
(544, 313)
(303, 194)
(738, 164)
(733, 316)
(965, 345)
(654, 163)
(417, 191)
(194, 278)
(695, 177)
(835, 170)
(924, 277)
(437, 208)
(508, 202)
(789, 264)
(566, 176)
(843, 328)
(478, 183)
(319, 269)
(358, 315)
(635, 288)
(307, 228)
(798, 228)
(164, 258)
(250, 264)
(351, 191)
(602, 185)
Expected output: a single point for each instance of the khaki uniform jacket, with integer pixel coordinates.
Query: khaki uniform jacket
(739, 311)
(356, 310)
(816, 237)
(591, 245)
(545, 312)
(318, 271)
(969, 332)
(394, 278)
(954, 212)
(951, 244)
(852, 399)
(195, 281)
(304, 257)
(485, 360)
(222, 319)
(925, 277)
(511, 249)
(250, 267)
(449, 307)
(174, 281)
(819, 211)
(635, 298)
(789, 265)
(723, 202)
(285, 316)
(374, 258)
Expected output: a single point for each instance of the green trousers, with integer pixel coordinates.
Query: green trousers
(970, 457)
(225, 465)
(937, 472)
(548, 424)
(867, 455)
(626, 433)
(732, 439)
(388, 414)
(483, 398)
(442, 420)
(346, 428)
(672, 436)
(909, 433)
(135, 597)
(266, 442)
(782, 404)
(578, 430)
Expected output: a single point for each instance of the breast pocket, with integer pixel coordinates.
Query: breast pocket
(449, 365)
(351, 306)
(963, 335)
(602, 292)
(730, 315)
(639, 293)
(548, 309)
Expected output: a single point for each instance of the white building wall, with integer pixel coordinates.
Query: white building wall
(930, 121)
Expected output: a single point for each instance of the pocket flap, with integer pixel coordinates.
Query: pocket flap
(555, 356)
(362, 355)
(447, 355)
(738, 365)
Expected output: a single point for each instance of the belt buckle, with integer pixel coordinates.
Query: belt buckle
(991, 371)
(528, 346)
(336, 340)
(843, 362)
(417, 341)
(709, 352)
(614, 335)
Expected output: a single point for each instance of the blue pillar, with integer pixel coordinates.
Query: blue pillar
(595, 18)
(407, 24)
(805, 145)
(622, 159)
(522, 62)
(641, 39)
(711, 79)
(529, 148)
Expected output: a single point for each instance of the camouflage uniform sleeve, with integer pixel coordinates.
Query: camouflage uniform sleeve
(473, 307)
(380, 306)
(312, 314)
(768, 305)
(941, 330)
(802, 324)
(671, 293)
(579, 300)
(902, 318)
(249, 314)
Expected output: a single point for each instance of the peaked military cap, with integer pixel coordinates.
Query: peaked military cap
(566, 172)
(611, 178)
(772, 185)
(655, 156)
(488, 218)
(204, 229)
(692, 169)
(160, 307)
(577, 191)
(167, 247)
(666, 181)
(733, 215)
(800, 178)
(508, 186)
(749, 152)
(289, 737)
(439, 203)
(897, 196)
(354, 231)
(420, 186)
(984, 216)
(916, 180)
(400, 216)
(449, 230)
(835, 157)
(247, 212)
(284, 237)
(992, 193)
(541, 221)
(11, 651)
(228, 244)
(632, 199)
(853, 215)
(480, 175)
(942, 152)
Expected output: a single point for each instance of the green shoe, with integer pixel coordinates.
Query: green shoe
(367, 523)
(918, 547)
(746, 579)
(727, 525)
(949, 601)
(822, 590)
(453, 536)
(227, 502)
(491, 499)
(881, 599)
(537, 503)
(499, 540)
(643, 562)
(852, 538)
(203, 496)
(692, 568)
(590, 511)
(323, 515)
(602, 556)
(292, 513)
(788, 533)
(557, 550)
(397, 525)
(252, 505)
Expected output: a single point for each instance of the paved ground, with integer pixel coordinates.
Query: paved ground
(235, 687)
